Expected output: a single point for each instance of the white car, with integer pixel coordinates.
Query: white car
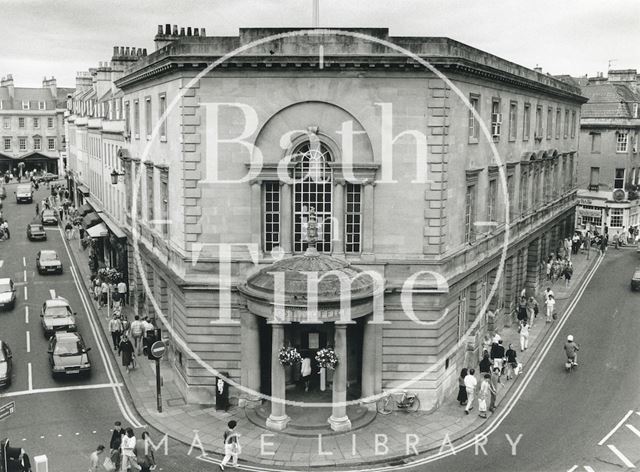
(7, 294)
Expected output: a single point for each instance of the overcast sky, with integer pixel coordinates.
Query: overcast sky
(60, 37)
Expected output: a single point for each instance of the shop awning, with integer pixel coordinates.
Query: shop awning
(98, 231)
(91, 219)
(84, 209)
(94, 203)
(113, 226)
(83, 189)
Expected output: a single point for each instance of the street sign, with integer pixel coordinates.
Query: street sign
(157, 349)
(7, 410)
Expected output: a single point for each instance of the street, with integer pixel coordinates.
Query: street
(63, 418)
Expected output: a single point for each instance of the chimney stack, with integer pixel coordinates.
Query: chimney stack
(538, 69)
(83, 80)
(8, 83)
(51, 85)
(167, 34)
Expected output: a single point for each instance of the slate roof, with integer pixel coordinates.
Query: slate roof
(608, 100)
(34, 95)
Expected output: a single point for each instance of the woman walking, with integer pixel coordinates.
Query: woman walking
(126, 349)
(550, 303)
(512, 361)
(483, 396)
(462, 389)
(524, 336)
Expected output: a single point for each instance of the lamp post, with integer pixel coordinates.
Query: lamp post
(114, 176)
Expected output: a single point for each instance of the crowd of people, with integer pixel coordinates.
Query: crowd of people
(126, 452)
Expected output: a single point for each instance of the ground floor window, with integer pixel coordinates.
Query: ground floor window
(616, 217)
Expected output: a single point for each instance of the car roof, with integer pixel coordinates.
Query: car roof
(48, 251)
(47, 211)
(6, 280)
(58, 301)
(67, 335)
(36, 224)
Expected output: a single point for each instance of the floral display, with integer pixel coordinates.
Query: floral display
(289, 356)
(110, 275)
(327, 358)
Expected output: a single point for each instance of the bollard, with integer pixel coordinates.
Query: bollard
(41, 463)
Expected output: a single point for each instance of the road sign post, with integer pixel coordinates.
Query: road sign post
(157, 351)
(7, 410)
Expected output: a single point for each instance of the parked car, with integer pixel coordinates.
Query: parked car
(635, 280)
(7, 294)
(68, 354)
(36, 231)
(48, 261)
(6, 364)
(49, 217)
(3, 192)
(24, 193)
(57, 316)
(47, 177)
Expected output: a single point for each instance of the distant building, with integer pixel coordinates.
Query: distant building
(609, 171)
(454, 224)
(32, 129)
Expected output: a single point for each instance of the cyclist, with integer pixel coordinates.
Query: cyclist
(571, 350)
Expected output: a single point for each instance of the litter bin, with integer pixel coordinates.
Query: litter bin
(222, 392)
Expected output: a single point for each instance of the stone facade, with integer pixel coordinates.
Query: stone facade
(453, 223)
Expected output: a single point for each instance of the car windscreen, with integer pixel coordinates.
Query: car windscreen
(4, 287)
(57, 311)
(48, 256)
(3, 357)
(24, 189)
(37, 228)
(67, 347)
(48, 213)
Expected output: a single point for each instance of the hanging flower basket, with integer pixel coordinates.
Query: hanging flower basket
(289, 356)
(110, 275)
(327, 358)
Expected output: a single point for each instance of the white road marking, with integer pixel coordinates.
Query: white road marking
(621, 456)
(26, 296)
(30, 379)
(52, 292)
(588, 468)
(28, 341)
(24, 262)
(633, 429)
(77, 434)
(1, 263)
(615, 428)
(60, 389)
(24, 272)
(26, 314)
(573, 468)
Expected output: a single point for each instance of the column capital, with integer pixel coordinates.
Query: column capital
(340, 181)
(282, 183)
(367, 182)
(255, 182)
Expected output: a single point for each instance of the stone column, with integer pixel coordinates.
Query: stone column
(256, 212)
(278, 418)
(250, 354)
(367, 223)
(339, 420)
(286, 210)
(369, 361)
(339, 219)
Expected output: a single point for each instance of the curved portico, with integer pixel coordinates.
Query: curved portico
(316, 290)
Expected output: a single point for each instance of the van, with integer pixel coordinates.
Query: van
(24, 194)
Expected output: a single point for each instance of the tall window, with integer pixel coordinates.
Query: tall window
(21, 122)
(492, 200)
(595, 143)
(353, 219)
(538, 133)
(549, 122)
(272, 215)
(25, 104)
(36, 122)
(622, 140)
(127, 118)
(163, 122)
(511, 193)
(618, 179)
(6, 122)
(51, 144)
(22, 144)
(558, 122)
(136, 119)
(513, 120)
(524, 191)
(147, 116)
(7, 144)
(470, 213)
(312, 178)
(164, 202)
(149, 195)
(42, 105)
(573, 124)
(616, 217)
(526, 122)
(37, 145)
(496, 119)
(566, 123)
(474, 128)
(49, 122)
(137, 181)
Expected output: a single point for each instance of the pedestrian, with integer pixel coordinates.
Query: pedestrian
(94, 458)
(305, 370)
(115, 328)
(522, 309)
(512, 361)
(231, 445)
(5, 227)
(104, 293)
(493, 384)
(144, 454)
(122, 290)
(497, 354)
(136, 333)
(547, 293)
(485, 363)
(68, 230)
(462, 390)
(550, 303)
(61, 213)
(485, 389)
(524, 336)
(533, 309)
(114, 443)
(126, 349)
(470, 384)
(568, 272)
(127, 447)
(603, 244)
(37, 209)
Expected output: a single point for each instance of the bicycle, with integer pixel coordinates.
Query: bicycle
(402, 400)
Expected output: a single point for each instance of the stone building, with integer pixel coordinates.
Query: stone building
(384, 161)
(33, 137)
(609, 172)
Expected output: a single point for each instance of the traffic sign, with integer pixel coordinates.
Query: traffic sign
(7, 410)
(157, 349)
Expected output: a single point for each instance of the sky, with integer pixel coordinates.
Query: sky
(60, 37)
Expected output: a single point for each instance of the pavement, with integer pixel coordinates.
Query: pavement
(197, 424)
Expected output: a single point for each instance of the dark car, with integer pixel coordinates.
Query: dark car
(7, 294)
(57, 315)
(48, 261)
(635, 280)
(47, 177)
(68, 354)
(35, 231)
(6, 364)
(49, 217)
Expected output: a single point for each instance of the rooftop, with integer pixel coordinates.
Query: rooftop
(608, 100)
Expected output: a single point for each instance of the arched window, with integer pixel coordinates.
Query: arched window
(313, 186)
